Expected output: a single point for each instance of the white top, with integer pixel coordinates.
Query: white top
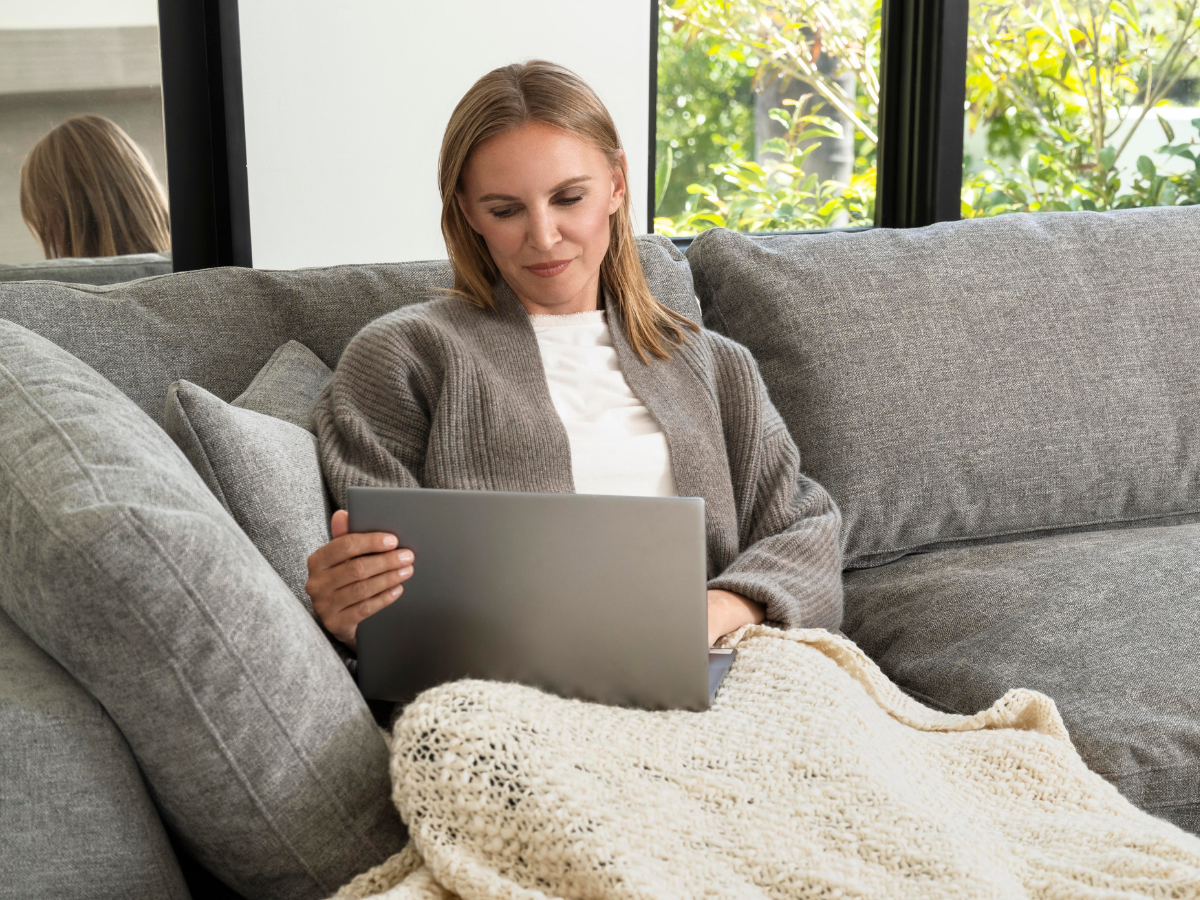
(616, 446)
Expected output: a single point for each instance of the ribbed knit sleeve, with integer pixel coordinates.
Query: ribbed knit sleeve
(372, 420)
(789, 527)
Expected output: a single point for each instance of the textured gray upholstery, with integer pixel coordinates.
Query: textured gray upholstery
(90, 270)
(257, 747)
(1107, 623)
(287, 386)
(264, 470)
(77, 821)
(982, 378)
(218, 327)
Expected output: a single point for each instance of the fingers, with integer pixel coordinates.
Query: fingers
(349, 546)
(344, 624)
(340, 523)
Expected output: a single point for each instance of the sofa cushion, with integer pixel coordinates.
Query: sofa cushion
(59, 747)
(981, 378)
(266, 472)
(217, 327)
(119, 563)
(1103, 622)
(287, 386)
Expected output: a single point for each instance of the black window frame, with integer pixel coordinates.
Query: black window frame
(922, 92)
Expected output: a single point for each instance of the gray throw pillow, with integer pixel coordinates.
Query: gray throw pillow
(288, 385)
(258, 749)
(266, 472)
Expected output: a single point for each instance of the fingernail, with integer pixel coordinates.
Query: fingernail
(406, 556)
(390, 541)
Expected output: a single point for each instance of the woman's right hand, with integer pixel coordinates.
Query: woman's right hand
(355, 576)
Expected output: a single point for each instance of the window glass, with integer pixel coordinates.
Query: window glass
(1081, 104)
(80, 81)
(766, 117)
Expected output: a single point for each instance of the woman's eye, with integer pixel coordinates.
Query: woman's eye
(505, 212)
(567, 201)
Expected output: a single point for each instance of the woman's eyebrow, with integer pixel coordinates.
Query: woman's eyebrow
(487, 198)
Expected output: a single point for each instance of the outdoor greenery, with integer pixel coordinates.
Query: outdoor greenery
(1057, 86)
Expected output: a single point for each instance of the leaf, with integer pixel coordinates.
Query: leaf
(1167, 129)
(1108, 158)
(1146, 166)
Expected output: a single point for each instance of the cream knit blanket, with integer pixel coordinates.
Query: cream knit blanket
(813, 775)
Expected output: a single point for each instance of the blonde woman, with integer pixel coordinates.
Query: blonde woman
(552, 368)
(88, 190)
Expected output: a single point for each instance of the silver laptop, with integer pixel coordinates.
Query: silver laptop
(598, 597)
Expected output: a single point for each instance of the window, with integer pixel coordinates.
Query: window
(1081, 104)
(767, 115)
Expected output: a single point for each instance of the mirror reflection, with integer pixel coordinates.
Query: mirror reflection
(83, 170)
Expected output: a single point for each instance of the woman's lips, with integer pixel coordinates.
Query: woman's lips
(549, 269)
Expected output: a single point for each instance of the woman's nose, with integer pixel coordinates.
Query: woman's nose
(543, 230)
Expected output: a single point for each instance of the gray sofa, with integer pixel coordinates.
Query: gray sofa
(1007, 412)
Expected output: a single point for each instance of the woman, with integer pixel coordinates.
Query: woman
(88, 190)
(552, 368)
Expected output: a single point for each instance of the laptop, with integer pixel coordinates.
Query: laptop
(598, 597)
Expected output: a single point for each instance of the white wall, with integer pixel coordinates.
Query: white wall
(77, 13)
(346, 104)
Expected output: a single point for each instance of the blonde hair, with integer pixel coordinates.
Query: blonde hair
(539, 91)
(88, 190)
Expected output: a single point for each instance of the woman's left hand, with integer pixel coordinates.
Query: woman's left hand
(728, 612)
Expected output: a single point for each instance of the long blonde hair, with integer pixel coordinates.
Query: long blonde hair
(88, 190)
(539, 91)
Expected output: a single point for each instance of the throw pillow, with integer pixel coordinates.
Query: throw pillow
(258, 749)
(288, 385)
(266, 472)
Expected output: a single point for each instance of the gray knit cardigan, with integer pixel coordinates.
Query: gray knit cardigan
(443, 394)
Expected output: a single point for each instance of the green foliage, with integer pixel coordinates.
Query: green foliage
(1059, 86)
(783, 197)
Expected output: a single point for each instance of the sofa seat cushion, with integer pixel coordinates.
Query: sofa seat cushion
(976, 379)
(1107, 623)
(76, 822)
(120, 564)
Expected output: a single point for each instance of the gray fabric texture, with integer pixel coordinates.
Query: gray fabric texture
(76, 822)
(981, 378)
(218, 327)
(447, 395)
(288, 385)
(1106, 623)
(90, 270)
(266, 472)
(255, 743)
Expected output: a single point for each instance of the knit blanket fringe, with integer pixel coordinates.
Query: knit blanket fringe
(812, 775)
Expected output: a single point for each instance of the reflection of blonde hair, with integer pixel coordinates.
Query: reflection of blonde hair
(88, 190)
(540, 91)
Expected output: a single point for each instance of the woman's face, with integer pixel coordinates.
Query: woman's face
(540, 198)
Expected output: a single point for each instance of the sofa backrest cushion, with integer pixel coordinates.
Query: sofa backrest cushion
(217, 327)
(287, 387)
(981, 379)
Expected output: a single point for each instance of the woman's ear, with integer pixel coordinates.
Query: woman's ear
(618, 180)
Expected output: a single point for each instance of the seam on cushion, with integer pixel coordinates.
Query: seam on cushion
(215, 486)
(1048, 531)
(76, 456)
(1173, 767)
(132, 519)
